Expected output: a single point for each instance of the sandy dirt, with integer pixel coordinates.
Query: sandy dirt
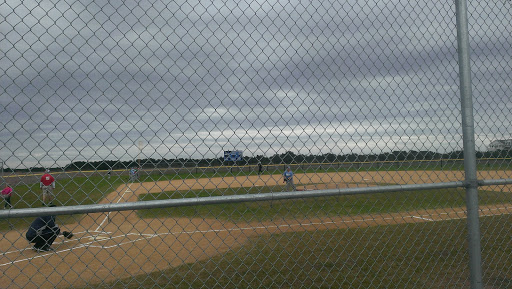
(109, 246)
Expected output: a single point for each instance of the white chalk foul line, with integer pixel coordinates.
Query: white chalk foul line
(128, 190)
(421, 218)
(145, 237)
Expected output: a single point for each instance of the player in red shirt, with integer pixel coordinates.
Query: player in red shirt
(47, 184)
(6, 195)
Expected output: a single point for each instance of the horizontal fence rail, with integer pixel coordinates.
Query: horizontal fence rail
(202, 201)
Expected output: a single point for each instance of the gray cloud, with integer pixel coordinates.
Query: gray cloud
(86, 80)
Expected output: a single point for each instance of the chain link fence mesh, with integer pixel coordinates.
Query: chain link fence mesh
(170, 129)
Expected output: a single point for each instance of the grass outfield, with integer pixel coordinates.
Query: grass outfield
(68, 192)
(90, 190)
(418, 255)
(322, 206)
(210, 172)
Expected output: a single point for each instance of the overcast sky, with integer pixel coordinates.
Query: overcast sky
(91, 80)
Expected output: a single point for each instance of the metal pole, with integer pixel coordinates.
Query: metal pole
(140, 153)
(139, 167)
(3, 179)
(468, 133)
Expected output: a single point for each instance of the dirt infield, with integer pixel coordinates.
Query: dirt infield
(110, 246)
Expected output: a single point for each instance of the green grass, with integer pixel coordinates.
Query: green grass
(322, 206)
(421, 255)
(68, 192)
(89, 190)
(418, 255)
(207, 172)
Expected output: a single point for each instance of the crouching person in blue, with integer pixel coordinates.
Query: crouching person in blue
(43, 232)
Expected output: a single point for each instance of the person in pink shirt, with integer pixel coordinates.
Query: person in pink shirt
(6, 195)
(47, 184)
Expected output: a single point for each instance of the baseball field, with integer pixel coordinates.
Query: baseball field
(128, 248)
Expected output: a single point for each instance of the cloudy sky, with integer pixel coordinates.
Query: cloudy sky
(106, 80)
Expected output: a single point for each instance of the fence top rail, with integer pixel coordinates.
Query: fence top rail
(200, 201)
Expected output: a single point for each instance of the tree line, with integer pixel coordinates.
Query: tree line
(283, 158)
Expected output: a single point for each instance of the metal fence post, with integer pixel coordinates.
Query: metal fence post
(475, 257)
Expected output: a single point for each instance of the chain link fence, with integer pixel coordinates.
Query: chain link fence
(255, 144)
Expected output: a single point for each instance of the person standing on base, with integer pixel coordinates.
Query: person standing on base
(288, 179)
(134, 174)
(47, 185)
(6, 195)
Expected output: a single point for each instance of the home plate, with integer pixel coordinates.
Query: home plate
(98, 238)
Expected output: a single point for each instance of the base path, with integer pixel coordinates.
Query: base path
(116, 245)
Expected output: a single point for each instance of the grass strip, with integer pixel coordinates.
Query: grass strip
(322, 206)
(68, 192)
(417, 255)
